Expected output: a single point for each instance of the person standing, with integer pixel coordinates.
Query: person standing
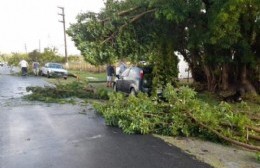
(35, 66)
(24, 65)
(110, 73)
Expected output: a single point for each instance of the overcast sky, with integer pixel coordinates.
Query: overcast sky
(34, 24)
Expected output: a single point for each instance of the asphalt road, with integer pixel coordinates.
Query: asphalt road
(39, 135)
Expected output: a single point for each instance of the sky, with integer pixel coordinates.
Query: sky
(26, 25)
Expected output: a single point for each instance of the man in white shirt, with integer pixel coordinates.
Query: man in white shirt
(24, 65)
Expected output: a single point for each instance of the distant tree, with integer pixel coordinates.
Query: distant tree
(2, 57)
(15, 58)
(74, 58)
(35, 55)
(51, 55)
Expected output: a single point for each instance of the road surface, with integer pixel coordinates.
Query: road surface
(39, 135)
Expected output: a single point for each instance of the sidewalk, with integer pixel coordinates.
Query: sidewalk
(217, 155)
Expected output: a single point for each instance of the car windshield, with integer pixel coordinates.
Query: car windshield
(57, 66)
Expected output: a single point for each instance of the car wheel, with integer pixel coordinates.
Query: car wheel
(40, 73)
(132, 91)
(115, 87)
(48, 75)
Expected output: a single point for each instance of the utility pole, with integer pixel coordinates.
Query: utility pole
(25, 47)
(39, 46)
(64, 31)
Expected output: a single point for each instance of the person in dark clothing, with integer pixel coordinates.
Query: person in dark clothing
(35, 66)
(110, 73)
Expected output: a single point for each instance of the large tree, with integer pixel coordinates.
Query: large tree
(218, 38)
(127, 30)
(230, 52)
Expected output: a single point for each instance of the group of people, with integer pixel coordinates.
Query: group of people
(111, 72)
(24, 67)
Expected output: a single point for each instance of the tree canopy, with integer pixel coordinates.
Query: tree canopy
(218, 38)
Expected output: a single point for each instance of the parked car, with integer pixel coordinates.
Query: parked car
(1, 64)
(51, 69)
(134, 80)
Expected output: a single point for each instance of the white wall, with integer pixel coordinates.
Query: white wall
(183, 67)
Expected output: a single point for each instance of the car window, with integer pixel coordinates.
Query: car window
(134, 72)
(125, 73)
(58, 66)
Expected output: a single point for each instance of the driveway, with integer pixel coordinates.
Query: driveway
(39, 135)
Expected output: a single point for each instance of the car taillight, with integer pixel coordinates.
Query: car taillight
(141, 74)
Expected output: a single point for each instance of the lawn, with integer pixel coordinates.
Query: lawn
(83, 75)
(98, 80)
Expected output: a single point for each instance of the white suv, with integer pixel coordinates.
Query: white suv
(51, 69)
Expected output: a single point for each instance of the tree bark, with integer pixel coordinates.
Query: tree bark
(246, 84)
(211, 81)
(225, 77)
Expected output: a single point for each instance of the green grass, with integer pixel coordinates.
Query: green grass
(208, 97)
(83, 75)
(97, 80)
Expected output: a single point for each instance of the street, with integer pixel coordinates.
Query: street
(40, 135)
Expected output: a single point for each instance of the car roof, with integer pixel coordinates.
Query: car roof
(146, 69)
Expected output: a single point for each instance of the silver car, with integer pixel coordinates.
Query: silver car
(51, 69)
(133, 80)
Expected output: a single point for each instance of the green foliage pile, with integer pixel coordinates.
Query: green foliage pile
(61, 92)
(175, 116)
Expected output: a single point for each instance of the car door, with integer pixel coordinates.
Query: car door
(124, 80)
(121, 79)
(44, 69)
(129, 80)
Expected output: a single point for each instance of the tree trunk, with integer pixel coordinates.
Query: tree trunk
(246, 84)
(225, 77)
(211, 80)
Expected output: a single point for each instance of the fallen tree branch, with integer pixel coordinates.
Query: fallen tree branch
(135, 18)
(255, 137)
(248, 127)
(122, 13)
(253, 128)
(247, 146)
